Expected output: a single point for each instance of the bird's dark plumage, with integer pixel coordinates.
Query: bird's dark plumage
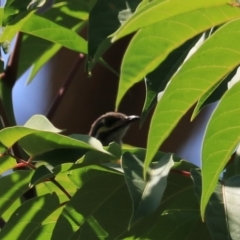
(111, 127)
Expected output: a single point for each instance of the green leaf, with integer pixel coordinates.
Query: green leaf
(11, 30)
(105, 18)
(82, 175)
(95, 209)
(231, 192)
(214, 60)
(157, 80)
(1, 16)
(61, 155)
(160, 10)
(29, 216)
(161, 38)
(213, 95)
(178, 215)
(221, 139)
(12, 8)
(6, 163)
(12, 187)
(40, 142)
(146, 195)
(43, 232)
(43, 172)
(11, 135)
(40, 122)
(53, 32)
(215, 217)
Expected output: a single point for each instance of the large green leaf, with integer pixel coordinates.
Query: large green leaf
(53, 32)
(95, 208)
(221, 138)
(29, 217)
(12, 187)
(36, 123)
(159, 39)
(146, 195)
(204, 69)
(159, 10)
(40, 142)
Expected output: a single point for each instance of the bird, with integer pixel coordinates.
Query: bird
(111, 127)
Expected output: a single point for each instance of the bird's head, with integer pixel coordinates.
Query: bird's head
(111, 127)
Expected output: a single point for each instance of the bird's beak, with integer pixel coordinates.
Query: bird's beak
(132, 118)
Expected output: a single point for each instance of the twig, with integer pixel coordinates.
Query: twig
(65, 86)
(60, 187)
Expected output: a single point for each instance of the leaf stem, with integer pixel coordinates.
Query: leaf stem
(53, 180)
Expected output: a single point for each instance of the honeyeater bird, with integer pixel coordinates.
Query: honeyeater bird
(111, 127)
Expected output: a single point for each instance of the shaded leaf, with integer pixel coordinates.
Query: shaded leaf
(61, 155)
(12, 8)
(231, 192)
(146, 195)
(104, 19)
(221, 139)
(215, 215)
(29, 216)
(12, 187)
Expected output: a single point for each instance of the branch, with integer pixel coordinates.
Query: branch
(65, 86)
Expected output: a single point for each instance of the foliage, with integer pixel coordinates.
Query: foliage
(82, 191)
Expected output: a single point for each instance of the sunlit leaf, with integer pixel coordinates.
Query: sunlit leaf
(53, 32)
(214, 60)
(29, 216)
(12, 187)
(213, 95)
(161, 38)
(221, 138)
(84, 211)
(6, 163)
(40, 122)
(157, 80)
(40, 142)
(159, 10)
